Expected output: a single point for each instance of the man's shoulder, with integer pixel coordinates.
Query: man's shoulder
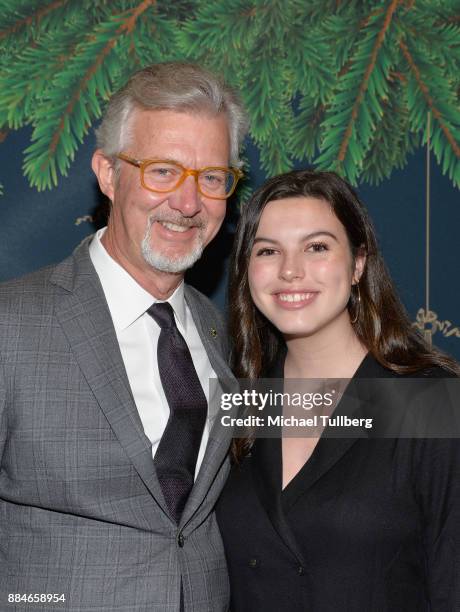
(30, 286)
(43, 280)
(26, 303)
(40, 285)
(197, 300)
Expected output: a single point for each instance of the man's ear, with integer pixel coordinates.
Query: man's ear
(360, 264)
(105, 173)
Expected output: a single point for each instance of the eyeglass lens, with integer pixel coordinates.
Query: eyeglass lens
(162, 176)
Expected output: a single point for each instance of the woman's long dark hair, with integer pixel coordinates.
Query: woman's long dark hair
(382, 324)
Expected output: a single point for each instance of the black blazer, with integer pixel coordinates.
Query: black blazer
(367, 525)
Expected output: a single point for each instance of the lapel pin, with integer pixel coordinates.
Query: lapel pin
(213, 331)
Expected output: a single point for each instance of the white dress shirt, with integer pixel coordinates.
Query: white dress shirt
(138, 334)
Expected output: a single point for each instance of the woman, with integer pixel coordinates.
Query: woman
(332, 524)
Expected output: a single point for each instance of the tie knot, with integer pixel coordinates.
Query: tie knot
(163, 314)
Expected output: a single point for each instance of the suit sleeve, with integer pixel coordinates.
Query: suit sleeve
(438, 484)
(3, 423)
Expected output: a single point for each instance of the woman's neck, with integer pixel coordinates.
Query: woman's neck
(333, 353)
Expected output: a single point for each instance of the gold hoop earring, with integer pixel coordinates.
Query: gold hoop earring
(358, 307)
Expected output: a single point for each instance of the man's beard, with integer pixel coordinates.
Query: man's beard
(165, 263)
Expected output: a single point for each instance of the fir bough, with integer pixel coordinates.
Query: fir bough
(339, 85)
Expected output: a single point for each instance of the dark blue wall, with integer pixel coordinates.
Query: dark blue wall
(41, 228)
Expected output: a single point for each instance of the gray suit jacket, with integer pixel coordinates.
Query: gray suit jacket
(81, 510)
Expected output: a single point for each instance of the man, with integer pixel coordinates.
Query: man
(110, 468)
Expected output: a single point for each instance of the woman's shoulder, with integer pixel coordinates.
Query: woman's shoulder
(371, 368)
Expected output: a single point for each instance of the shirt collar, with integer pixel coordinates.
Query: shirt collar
(126, 299)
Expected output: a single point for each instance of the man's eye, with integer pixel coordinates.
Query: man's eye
(214, 179)
(163, 172)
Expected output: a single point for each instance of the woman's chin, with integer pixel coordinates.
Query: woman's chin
(292, 330)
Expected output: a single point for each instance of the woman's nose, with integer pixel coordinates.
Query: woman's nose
(292, 268)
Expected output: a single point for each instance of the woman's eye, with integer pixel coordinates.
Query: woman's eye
(317, 247)
(265, 251)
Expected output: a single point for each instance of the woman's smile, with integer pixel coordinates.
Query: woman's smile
(294, 300)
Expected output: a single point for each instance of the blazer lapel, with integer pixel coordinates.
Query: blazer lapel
(267, 464)
(359, 401)
(219, 437)
(267, 470)
(332, 446)
(337, 440)
(85, 319)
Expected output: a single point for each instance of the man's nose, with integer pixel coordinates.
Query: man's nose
(186, 198)
(292, 267)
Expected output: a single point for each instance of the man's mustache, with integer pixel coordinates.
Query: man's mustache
(176, 219)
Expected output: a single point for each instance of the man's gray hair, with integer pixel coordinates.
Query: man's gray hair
(176, 86)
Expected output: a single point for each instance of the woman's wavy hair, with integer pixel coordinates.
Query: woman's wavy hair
(379, 320)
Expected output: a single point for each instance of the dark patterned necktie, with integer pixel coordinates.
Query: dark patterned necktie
(176, 455)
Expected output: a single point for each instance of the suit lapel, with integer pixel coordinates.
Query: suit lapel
(207, 329)
(85, 319)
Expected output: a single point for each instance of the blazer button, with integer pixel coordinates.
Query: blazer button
(300, 570)
(253, 562)
(181, 540)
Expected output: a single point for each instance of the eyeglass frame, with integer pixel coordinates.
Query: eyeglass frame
(143, 163)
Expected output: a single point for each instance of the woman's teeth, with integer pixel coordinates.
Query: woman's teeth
(294, 297)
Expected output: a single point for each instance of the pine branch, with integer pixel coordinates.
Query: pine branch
(35, 18)
(438, 42)
(75, 117)
(316, 12)
(32, 75)
(274, 157)
(429, 100)
(375, 13)
(270, 83)
(151, 41)
(393, 140)
(243, 195)
(342, 31)
(363, 87)
(57, 22)
(126, 26)
(355, 108)
(443, 12)
(237, 30)
(311, 69)
(253, 39)
(305, 139)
